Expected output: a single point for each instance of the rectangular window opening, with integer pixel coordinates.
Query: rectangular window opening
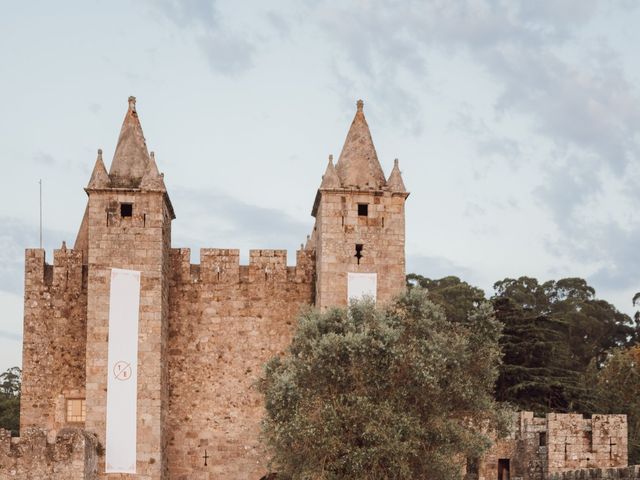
(76, 410)
(363, 209)
(126, 209)
(542, 440)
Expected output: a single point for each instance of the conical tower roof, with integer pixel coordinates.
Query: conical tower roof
(358, 165)
(99, 176)
(395, 183)
(330, 178)
(131, 156)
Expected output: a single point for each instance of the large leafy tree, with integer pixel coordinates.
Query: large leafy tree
(616, 386)
(552, 332)
(456, 297)
(369, 393)
(10, 382)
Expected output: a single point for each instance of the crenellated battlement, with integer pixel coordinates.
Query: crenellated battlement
(222, 266)
(66, 273)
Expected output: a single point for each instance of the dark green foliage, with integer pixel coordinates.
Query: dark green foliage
(457, 298)
(396, 393)
(10, 400)
(636, 302)
(552, 331)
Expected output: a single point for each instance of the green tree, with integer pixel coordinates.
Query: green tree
(552, 332)
(391, 393)
(457, 298)
(616, 387)
(636, 303)
(10, 382)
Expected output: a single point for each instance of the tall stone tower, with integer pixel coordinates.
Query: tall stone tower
(359, 233)
(128, 226)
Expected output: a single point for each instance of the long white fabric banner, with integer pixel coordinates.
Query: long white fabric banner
(361, 285)
(122, 373)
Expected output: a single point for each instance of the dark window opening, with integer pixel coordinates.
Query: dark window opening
(363, 209)
(542, 439)
(590, 440)
(126, 209)
(472, 465)
(503, 469)
(359, 248)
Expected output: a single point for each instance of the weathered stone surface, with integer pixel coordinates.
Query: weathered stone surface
(70, 456)
(538, 448)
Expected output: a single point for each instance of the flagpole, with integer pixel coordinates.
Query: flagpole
(40, 182)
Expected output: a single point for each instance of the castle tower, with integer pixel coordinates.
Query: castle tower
(128, 226)
(359, 232)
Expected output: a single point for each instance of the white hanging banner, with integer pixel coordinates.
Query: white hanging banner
(122, 371)
(362, 285)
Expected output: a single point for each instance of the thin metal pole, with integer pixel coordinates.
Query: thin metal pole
(40, 182)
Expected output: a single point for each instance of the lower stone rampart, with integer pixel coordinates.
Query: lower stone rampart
(71, 456)
(628, 473)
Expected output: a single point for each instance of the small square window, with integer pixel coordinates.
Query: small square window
(76, 410)
(126, 209)
(363, 209)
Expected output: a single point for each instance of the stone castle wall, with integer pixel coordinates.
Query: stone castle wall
(54, 346)
(226, 321)
(72, 455)
(539, 447)
(628, 473)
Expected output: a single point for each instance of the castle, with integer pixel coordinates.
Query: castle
(203, 331)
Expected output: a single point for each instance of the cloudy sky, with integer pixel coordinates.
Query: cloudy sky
(516, 124)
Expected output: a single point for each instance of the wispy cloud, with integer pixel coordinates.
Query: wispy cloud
(227, 51)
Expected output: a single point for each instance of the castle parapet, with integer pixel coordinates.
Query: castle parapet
(66, 273)
(222, 266)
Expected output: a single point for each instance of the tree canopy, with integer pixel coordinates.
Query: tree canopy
(552, 332)
(10, 382)
(374, 393)
(615, 387)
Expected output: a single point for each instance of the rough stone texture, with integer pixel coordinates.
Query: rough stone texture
(54, 342)
(572, 442)
(70, 456)
(338, 229)
(226, 320)
(140, 242)
(629, 473)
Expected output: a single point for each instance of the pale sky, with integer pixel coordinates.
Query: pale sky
(516, 124)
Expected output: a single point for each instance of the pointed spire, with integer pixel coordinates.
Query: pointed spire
(152, 178)
(131, 156)
(395, 183)
(358, 165)
(330, 178)
(99, 176)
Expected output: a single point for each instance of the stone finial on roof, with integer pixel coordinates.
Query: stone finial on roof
(358, 165)
(395, 183)
(131, 156)
(152, 178)
(99, 176)
(330, 178)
